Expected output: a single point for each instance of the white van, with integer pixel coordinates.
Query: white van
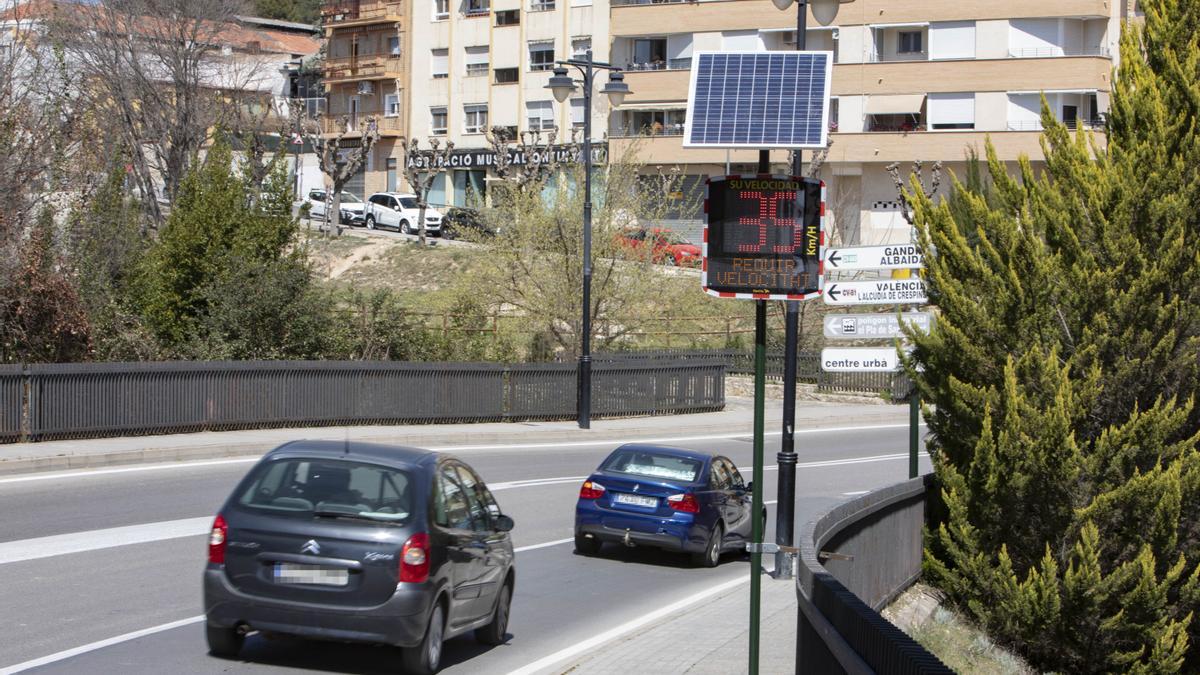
(399, 210)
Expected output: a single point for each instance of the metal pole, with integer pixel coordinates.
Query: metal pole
(914, 423)
(585, 352)
(756, 498)
(785, 512)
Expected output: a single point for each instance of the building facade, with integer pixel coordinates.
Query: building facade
(921, 80)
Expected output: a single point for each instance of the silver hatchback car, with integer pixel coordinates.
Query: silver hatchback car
(362, 543)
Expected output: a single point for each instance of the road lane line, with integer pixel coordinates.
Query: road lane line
(79, 542)
(567, 444)
(100, 644)
(108, 642)
(616, 632)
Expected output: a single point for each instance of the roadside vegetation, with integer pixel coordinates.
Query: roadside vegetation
(1062, 378)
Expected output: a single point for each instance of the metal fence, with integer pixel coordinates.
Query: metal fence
(12, 385)
(853, 561)
(85, 400)
(808, 369)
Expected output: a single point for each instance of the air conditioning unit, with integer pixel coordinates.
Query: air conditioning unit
(366, 88)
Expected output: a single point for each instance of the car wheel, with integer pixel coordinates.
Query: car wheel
(224, 642)
(405, 227)
(495, 632)
(425, 658)
(670, 261)
(370, 222)
(587, 545)
(711, 556)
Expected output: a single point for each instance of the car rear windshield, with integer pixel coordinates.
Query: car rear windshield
(653, 465)
(329, 488)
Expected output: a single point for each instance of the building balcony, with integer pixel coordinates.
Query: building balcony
(389, 126)
(363, 67)
(631, 17)
(885, 147)
(352, 14)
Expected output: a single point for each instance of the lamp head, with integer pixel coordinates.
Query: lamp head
(616, 88)
(561, 84)
(825, 11)
(782, 4)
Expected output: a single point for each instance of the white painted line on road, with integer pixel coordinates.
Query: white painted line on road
(89, 473)
(533, 482)
(547, 544)
(108, 642)
(771, 501)
(79, 542)
(616, 632)
(101, 644)
(855, 493)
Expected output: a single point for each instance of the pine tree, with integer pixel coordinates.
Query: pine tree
(1062, 371)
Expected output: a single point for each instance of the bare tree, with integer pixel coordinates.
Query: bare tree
(156, 73)
(338, 163)
(935, 182)
(421, 168)
(530, 158)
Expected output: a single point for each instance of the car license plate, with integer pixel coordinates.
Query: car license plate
(636, 500)
(291, 573)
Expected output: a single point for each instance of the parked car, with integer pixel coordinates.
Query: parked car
(665, 246)
(351, 207)
(664, 497)
(460, 220)
(359, 542)
(399, 211)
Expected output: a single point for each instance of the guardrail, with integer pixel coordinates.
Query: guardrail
(48, 401)
(853, 561)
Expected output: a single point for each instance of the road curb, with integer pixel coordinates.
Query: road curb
(229, 446)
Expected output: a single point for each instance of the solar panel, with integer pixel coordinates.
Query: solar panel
(758, 100)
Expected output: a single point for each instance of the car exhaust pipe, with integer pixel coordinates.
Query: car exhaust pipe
(627, 541)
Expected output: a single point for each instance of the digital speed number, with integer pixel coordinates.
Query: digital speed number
(763, 236)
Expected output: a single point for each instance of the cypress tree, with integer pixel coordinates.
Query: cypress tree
(1062, 373)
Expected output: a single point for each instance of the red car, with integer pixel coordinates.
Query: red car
(667, 247)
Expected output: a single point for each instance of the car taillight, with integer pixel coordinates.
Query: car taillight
(216, 540)
(685, 502)
(414, 559)
(591, 490)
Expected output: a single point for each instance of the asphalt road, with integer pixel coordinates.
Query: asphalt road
(117, 552)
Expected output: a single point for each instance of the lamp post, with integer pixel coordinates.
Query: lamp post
(824, 11)
(563, 85)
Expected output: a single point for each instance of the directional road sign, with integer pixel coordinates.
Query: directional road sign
(859, 359)
(898, 257)
(881, 292)
(874, 326)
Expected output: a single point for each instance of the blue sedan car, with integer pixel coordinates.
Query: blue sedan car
(663, 497)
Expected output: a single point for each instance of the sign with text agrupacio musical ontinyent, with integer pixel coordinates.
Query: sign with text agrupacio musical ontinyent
(763, 237)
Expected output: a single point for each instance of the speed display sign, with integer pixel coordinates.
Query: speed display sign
(763, 237)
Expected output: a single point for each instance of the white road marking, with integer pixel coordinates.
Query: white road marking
(616, 632)
(855, 493)
(79, 542)
(89, 473)
(100, 644)
(108, 642)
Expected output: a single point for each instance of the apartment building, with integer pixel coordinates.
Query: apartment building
(924, 79)
(366, 75)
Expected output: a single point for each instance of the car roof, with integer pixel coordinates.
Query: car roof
(376, 453)
(396, 194)
(667, 450)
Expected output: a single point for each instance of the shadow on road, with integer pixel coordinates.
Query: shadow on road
(642, 555)
(338, 657)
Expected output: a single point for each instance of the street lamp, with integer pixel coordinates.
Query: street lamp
(824, 11)
(562, 85)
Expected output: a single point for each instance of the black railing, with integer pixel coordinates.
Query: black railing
(854, 560)
(103, 399)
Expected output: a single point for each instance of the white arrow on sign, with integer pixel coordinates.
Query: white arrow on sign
(881, 292)
(859, 360)
(897, 257)
(874, 326)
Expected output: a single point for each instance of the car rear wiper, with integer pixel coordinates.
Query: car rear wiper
(326, 513)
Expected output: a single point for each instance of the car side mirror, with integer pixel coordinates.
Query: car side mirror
(504, 523)
(750, 486)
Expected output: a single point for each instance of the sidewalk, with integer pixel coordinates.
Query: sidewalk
(737, 418)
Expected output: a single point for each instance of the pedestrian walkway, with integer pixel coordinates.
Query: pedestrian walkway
(737, 419)
(717, 638)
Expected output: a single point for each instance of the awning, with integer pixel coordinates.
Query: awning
(897, 104)
(670, 105)
(1054, 91)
